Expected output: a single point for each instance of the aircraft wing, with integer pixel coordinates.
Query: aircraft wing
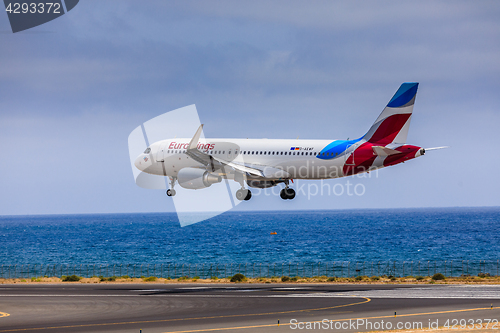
(215, 163)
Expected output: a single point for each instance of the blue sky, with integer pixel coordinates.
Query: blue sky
(73, 89)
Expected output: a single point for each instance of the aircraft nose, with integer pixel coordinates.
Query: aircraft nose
(138, 162)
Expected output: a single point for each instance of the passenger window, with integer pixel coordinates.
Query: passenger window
(147, 151)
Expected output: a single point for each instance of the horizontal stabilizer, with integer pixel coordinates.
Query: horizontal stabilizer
(383, 151)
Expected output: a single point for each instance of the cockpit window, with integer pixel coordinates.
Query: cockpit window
(147, 151)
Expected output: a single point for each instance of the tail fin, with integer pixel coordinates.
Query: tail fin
(393, 123)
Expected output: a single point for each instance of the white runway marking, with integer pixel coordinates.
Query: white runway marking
(471, 292)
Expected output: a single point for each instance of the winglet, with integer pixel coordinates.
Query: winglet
(194, 141)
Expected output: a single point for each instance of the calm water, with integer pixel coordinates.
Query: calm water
(312, 236)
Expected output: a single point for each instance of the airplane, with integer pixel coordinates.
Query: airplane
(263, 163)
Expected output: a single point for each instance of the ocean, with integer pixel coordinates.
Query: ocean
(369, 235)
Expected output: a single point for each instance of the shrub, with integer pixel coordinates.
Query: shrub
(71, 278)
(104, 279)
(294, 279)
(214, 278)
(375, 278)
(483, 275)
(238, 277)
(393, 278)
(331, 279)
(419, 278)
(361, 277)
(285, 278)
(182, 278)
(150, 279)
(438, 276)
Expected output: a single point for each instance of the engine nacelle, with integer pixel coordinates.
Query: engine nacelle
(262, 183)
(195, 179)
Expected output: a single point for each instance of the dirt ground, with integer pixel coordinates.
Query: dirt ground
(321, 279)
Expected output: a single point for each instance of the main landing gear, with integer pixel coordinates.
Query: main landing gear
(243, 194)
(287, 192)
(171, 192)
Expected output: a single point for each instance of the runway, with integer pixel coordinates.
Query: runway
(155, 308)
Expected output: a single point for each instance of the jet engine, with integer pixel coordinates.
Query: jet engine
(195, 179)
(263, 183)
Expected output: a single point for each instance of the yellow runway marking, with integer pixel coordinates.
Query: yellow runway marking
(4, 314)
(196, 318)
(334, 320)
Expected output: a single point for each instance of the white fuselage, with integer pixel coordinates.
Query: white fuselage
(167, 157)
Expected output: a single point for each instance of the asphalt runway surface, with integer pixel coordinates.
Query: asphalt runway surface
(155, 308)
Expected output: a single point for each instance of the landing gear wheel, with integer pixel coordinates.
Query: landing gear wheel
(170, 192)
(243, 194)
(287, 193)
